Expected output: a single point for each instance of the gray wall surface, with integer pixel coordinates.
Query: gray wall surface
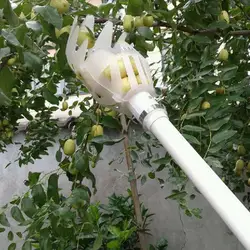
(182, 232)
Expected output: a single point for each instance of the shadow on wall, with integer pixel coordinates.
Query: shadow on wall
(182, 232)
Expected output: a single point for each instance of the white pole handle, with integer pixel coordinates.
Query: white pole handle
(225, 203)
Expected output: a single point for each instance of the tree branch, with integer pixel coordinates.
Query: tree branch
(184, 28)
(133, 184)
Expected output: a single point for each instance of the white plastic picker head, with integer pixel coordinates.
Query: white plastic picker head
(112, 73)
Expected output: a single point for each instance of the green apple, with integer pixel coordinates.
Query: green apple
(110, 112)
(125, 85)
(62, 6)
(96, 130)
(82, 36)
(65, 106)
(69, 147)
(11, 61)
(128, 23)
(148, 21)
(239, 165)
(138, 21)
(205, 105)
(223, 55)
(224, 16)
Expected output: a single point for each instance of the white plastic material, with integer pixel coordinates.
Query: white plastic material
(226, 204)
(90, 65)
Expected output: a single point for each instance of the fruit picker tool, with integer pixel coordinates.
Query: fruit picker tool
(119, 77)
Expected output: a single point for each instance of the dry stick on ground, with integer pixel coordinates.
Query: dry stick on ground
(133, 183)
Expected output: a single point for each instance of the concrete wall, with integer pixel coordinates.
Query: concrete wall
(182, 232)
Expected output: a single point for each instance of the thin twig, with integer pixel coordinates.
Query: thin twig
(133, 184)
(184, 28)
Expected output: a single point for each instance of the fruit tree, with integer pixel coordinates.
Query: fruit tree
(204, 47)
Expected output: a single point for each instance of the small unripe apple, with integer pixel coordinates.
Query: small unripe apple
(128, 23)
(96, 130)
(62, 6)
(122, 68)
(220, 91)
(138, 21)
(9, 134)
(110, 112)
(248, 182)
(82, 36)
(5, 122)
(223, 55)
(69, 147)
(148, 21)
(205, 105)
(133, 65)
(125, 85)
(224, 16)
(11, 61)
(241, 150)
(138, 79)
(65, 105)
(248, 166)
(239, 165)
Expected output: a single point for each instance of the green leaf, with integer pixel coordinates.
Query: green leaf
(8, 12)
(216, 124)
(38, 195)
(2, 229)
(201, 39)
(52, 191)
(143, 180)
(17, 214)
(98, 242)
(10, 37)
(191, 139)
(146, 32)
(213, 162)
(151, 175)
(33, 178)
(223, 135)
(114, 244)
(110, 122)
(193, 128)
(27, 246)
(58, 155)
(135, 7)
(32, 61)
(6, 85)
(19, 234)
(28, 207)
(81, 162)
(114, 230)
(3, 220)
(10, 236)
(50, 97)
(12, 246)
(4, 52)
(105, 140)
(50, 15)
(177, 195)
(34, 25)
